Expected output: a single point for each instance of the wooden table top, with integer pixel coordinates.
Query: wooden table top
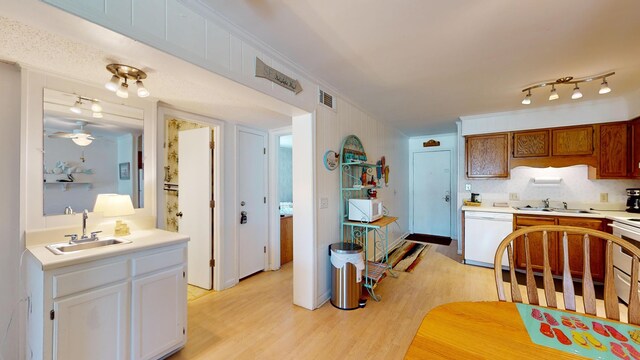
(477, 330)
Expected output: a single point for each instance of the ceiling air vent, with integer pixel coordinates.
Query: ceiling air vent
(327, 99)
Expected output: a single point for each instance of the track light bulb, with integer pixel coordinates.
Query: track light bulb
(96, 107)
(142, 91)
(554, 94)
(527, 99)
(76, 107)
(123, 90)
(113, 84)
(576, 93)
(604, 87)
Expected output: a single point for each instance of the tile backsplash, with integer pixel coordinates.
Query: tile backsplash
(575, 186)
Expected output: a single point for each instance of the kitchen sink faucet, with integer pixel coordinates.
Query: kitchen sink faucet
(84, 238)
(546, 203)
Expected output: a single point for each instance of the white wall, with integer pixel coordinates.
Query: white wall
(447, 142)
(11, 241)
(379, 139)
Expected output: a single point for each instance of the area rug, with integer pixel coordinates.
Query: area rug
(430, 239)
(407, 256)
(194, 292)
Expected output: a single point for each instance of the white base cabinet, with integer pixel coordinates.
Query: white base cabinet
(131, 306)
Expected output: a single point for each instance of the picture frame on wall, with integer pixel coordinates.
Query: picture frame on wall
(125, 171)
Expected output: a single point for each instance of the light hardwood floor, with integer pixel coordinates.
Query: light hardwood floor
(257, 320)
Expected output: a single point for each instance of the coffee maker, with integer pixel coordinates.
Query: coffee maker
(633, 200)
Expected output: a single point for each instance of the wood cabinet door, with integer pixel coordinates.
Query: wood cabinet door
(535, 244)
(635, 148)
(614, 161)
(487, 156)
(531, 144)
(576, 248)
(576, 140)
(92, 325)
(159, 305)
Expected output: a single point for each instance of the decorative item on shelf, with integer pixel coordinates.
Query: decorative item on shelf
(331, 160)
(372, 193)
(115, 205)
(568, 80)
(352, 150)
(431, 143)
(386, 175)
(122, 73)
(379, 170)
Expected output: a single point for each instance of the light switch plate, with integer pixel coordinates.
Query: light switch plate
(467, 187)
(324, 203)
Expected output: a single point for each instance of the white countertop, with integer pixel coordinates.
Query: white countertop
(621, 216)
(140, 240)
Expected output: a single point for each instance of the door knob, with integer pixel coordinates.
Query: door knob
(446, 198)
(242, 203)
(179, 214)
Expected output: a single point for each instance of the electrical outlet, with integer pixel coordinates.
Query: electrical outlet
(514, 196)
(467, 187)
(604, 197)
(324, 203)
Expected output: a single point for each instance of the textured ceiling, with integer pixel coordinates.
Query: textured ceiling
(421, 64)
(42, 37)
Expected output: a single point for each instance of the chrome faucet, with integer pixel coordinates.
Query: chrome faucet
(85, 216)
(546, 203)
(74, 237)
(564, 203)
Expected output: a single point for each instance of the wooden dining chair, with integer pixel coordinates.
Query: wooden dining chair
(588, 293)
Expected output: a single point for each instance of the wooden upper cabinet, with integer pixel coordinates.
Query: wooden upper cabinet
(487, 156)
(614, 150)
(634, 140)
(531, 143)
(571, 141)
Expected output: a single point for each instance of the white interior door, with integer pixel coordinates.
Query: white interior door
(252, 189)
(432, 193)
(194, 202)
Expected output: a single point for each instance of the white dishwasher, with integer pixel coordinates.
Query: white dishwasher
(483, 232)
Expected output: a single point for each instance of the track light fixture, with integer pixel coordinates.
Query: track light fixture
(568, 80)
(122, 73)
(78, 106)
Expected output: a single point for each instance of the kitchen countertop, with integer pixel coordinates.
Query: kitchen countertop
(140, 240)
(621, 216)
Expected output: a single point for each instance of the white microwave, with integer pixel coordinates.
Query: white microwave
(365, 210)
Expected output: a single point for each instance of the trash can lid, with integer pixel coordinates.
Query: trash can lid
(346, 248)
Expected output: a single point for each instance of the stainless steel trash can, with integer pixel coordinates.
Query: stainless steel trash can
(347, 266)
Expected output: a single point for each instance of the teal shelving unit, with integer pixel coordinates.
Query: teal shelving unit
(353, 163)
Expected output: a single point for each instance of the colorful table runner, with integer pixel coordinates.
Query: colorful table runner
(578, 334)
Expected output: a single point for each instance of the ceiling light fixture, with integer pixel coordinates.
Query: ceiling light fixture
(122, 73)
(604, 87)
(76, 106)
(554, 93)
(95, 106)
(82, 139)
(577, 94)
(527, 99)
(568, 80)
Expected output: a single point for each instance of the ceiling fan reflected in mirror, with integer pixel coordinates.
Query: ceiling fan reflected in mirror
(79, 136)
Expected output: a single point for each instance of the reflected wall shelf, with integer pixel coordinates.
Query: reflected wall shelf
(65, 185)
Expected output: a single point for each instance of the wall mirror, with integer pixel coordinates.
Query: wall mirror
(90, 147)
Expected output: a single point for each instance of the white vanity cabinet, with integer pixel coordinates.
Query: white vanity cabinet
(127, 306)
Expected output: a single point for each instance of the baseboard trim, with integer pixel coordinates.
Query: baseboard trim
(323, 298)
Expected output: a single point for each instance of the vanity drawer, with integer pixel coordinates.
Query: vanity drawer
(161, 260)
(85, 279)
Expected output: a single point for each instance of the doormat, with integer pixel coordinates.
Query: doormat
(430, 239)
(407, 256)
(194, 292)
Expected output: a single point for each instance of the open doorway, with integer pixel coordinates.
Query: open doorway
(281, 195)
(191, 189)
